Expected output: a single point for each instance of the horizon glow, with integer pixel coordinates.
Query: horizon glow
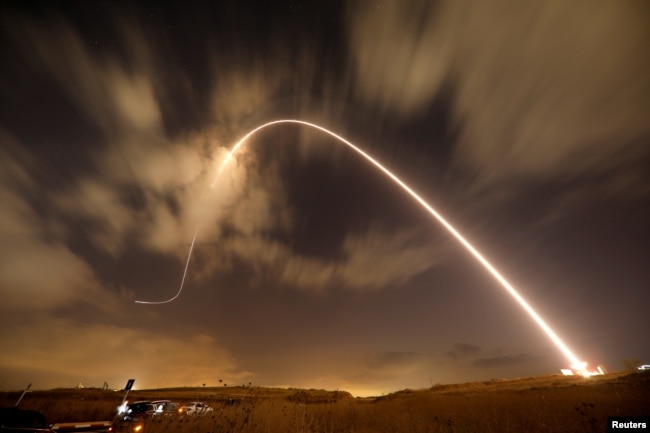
(575, 362)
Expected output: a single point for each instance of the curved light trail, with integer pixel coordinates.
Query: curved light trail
(187, 265)
(575, 362)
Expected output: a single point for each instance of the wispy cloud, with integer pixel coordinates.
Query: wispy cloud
(536, 96)
(37, 269)
(371, 260)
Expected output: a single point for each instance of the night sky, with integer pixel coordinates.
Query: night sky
(526, 125)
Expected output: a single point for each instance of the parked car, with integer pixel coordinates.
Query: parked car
(196, 408)
(130, 418)
(16, 420)
(165, 408)
(13, 419)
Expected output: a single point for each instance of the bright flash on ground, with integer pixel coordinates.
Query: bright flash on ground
(122, 408)
(582, 369)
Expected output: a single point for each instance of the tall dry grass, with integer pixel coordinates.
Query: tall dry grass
(550, 405)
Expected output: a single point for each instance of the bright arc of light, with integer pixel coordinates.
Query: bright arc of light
(478, 256)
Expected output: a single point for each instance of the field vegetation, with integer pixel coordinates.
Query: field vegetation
(542, 404)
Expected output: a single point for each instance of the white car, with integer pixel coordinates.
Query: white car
(196, 408)
(164, 407)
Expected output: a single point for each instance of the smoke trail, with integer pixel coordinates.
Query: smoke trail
(482, 260)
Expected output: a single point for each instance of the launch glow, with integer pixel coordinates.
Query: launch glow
(576, 364)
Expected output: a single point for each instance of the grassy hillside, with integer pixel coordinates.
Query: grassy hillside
(539, 404)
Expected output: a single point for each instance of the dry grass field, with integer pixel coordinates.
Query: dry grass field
(541, 404)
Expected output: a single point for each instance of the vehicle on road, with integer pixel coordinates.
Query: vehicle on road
(196, 408)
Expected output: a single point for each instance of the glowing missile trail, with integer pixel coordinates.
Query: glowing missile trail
(482, 260)
(187, 265)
